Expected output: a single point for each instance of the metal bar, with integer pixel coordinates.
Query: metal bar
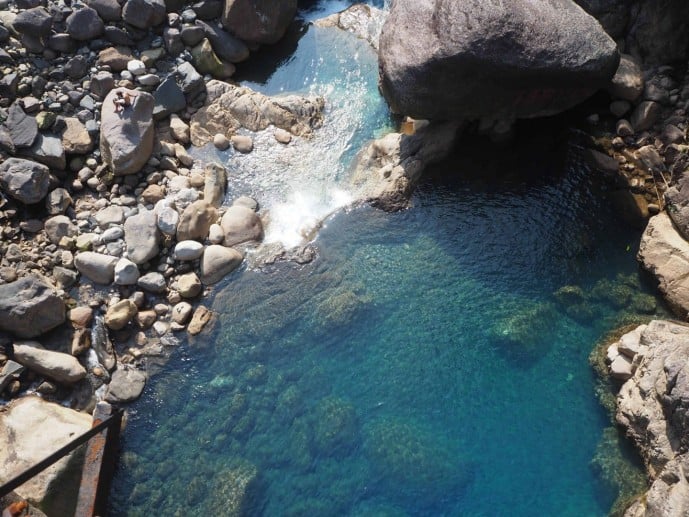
(22, 478)
(98, 467)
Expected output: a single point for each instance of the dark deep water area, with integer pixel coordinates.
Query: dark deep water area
(427, 362)
(421, 365)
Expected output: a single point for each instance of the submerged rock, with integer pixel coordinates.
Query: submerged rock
(234, 491)
(526, 330)
(476, 60)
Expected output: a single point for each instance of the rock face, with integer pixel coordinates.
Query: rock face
(126, 136)
(229, 107)
(653, 29)
(60, 367)
(653, 409)
(29, 307)
(24, 180)
(32, 429)
(665, 254)
(467, 60)
(258, 21)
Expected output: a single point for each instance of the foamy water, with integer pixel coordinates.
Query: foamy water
(300, 184)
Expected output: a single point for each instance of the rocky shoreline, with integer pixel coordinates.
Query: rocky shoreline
(112, 232)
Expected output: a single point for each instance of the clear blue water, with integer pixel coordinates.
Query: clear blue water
(421, 365)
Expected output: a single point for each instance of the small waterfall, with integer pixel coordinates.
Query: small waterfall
(301, 184)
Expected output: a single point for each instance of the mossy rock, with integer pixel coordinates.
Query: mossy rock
(644, 303)
(403, 455)
(526, 331)
(339, 307)
(336, 426)
(617, 294)
(620, 468)
(235, 490)
(570, 295)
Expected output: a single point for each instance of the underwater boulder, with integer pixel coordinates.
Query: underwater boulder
(336, 426)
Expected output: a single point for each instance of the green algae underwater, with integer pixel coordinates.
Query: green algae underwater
(428, 362)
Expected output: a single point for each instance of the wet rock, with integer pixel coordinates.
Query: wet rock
(628, 82)
(282, 136)
(258, 21)
(215, 184)
(120, 314)
(241, 225)
(96, 267)
(60, 367)
(84, 24)
(217, 262)
(24, 180)
(30, 307)
(221, 142)
(146, 319)
(23, 426)
(153, 283)
(141, 236)
(522, 60)
(60, 226)
(196, 220)
(126, 385)
(80, 316)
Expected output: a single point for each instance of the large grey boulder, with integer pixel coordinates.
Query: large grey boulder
(36, 21)
(24, 180)
(442, 59)
(665, 254)
(30, 430)
(63, 368)
(258, 21)
(30, 306)
(126, 136)
(142, 236)
(143, 14)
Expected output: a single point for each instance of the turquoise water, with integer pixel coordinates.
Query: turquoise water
(421, 365)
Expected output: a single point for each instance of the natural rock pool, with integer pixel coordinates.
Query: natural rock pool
(424, 364)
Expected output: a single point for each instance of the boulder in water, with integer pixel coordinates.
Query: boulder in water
(441, 59)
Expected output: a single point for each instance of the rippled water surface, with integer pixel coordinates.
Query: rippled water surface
(421, 365)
